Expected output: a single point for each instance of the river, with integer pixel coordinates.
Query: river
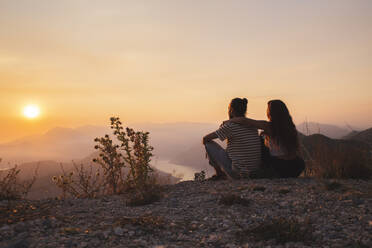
(180, 171)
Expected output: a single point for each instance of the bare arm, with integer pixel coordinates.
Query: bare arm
(209, 137)
(263, 125)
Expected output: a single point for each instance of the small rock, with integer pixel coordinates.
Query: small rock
(83, 244)
(119, 231)
(19, 242)
(212, 238)
(20, 227)
(7, 228)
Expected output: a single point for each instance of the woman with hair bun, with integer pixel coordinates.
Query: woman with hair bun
(281, 138)
(242, 157)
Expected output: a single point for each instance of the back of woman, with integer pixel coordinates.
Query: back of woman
(282, 140)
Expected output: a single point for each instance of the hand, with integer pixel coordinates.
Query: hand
(209, 137)
(205, 140)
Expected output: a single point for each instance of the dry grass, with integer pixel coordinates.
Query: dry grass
(359, 244)
(332, 185)
(148, 222)
(327, 158)
(24, 211)
(122, 165)
(11, 187)
(281, 230)
(258, 188)
(83, 182)
(232, 199)
(144, 196)
(284, 191)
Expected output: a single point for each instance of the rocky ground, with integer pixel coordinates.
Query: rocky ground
(245, 213)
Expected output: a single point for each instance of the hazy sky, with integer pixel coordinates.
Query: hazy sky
(82, 61)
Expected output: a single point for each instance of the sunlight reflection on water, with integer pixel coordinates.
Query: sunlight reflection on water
(180, 171)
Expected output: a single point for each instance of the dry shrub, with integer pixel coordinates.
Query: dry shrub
(133, 153)
(147, 221)
(11, 187)
(21, 211)
(83, 182)
(284, 191)
(231, 199)
(327, 158)
(332, 185)
(143, 196)
(358, 244)
(258, 188)
(282, 230)
(140, 198)
(125, 166)
(111, 161)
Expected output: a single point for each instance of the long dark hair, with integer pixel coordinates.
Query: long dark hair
(283, 130)
(238, 107)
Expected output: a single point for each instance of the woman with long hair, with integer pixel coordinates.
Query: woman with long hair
(281, 139)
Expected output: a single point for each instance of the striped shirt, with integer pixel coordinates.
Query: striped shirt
(243, 147)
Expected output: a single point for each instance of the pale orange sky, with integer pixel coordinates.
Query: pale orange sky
(171, 61)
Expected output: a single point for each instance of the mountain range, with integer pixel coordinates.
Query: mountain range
(195, 155)
(59, 144)
(180, 143)
(331, 131)
(66, 144)
(363, 136)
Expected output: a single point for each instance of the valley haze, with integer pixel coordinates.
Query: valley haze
(171, 141)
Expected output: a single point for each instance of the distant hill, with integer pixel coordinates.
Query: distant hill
(336, 158)
(59, 144)
(315, 142)
(193, 157)
(350, 135)
(66, 144)
(170, 139)
(44, 187)
(331, 131)
(363, 136)
(314, 145)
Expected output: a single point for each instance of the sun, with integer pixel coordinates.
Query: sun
(31, 111)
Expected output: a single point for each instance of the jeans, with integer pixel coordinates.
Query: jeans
(219, 159)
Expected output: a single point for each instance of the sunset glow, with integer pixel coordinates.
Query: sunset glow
(182, 61)
(31, 111)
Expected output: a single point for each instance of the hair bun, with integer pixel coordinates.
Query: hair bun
(245, 100)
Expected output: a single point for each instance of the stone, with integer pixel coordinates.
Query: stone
(119, 231)
(19, 242)
(84, 244)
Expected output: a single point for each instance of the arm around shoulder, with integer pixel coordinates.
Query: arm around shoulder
(264, 125)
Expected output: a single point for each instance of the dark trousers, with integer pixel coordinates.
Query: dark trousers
(285, 168)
